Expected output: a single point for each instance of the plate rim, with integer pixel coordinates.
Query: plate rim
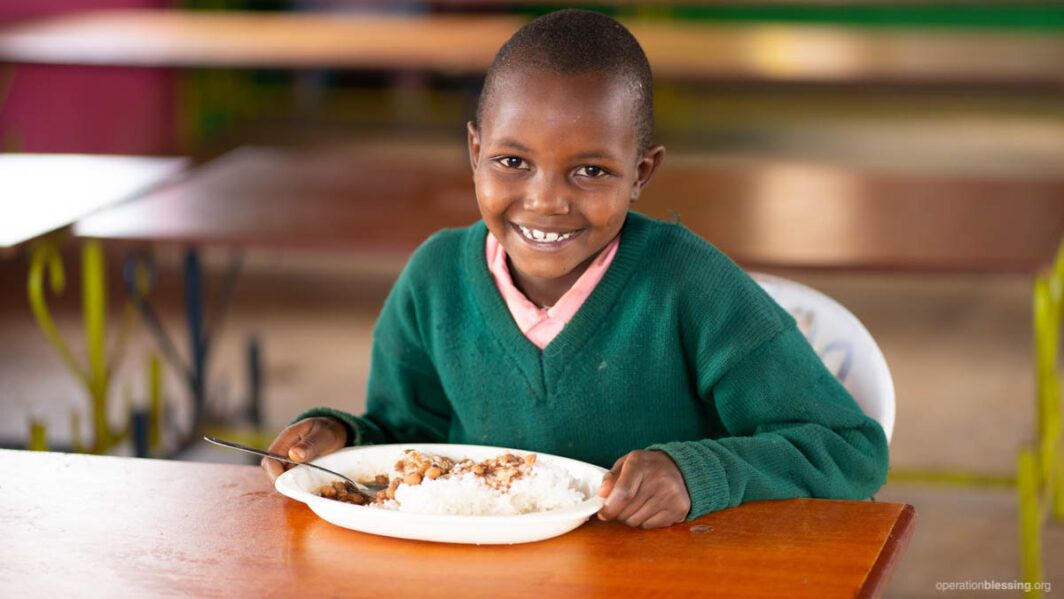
(586, 508)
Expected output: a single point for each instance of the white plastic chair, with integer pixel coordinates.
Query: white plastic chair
(842, 342)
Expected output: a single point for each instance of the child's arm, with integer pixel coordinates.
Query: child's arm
(791, 430)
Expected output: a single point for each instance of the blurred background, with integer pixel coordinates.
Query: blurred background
(806, 109)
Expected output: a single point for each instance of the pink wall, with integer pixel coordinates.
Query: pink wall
(85, 109)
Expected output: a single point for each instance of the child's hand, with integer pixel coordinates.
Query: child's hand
(645, 489)
(304, 441)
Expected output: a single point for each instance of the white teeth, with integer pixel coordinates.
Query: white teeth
(537, 235)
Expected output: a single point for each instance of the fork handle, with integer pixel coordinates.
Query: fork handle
(282, 458)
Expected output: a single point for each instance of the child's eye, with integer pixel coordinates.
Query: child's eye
(511, 162)
(592, 171)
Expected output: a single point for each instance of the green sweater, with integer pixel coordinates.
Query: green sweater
(676, 349)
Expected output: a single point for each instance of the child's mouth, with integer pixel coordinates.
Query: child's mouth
(546, 237)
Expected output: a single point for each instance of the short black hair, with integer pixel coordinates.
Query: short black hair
(574, 41)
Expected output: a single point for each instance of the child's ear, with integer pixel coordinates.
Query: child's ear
(474, 144)
(648, 163)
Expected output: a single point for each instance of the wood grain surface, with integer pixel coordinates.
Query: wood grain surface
(91, 526)
(764, 214)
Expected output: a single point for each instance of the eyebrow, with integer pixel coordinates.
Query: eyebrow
(506, 141)
(599, 154)
(595, 154)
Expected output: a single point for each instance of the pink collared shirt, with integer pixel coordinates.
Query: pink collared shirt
(542, 325)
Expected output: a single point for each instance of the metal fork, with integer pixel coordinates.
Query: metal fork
(367, 490)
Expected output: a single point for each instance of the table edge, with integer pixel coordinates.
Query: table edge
(879, 576)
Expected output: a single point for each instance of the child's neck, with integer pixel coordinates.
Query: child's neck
(545, 292)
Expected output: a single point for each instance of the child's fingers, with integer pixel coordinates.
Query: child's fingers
(280, 446)
(670, 493)
(637, 516)
(646, 490)
(273, 468)
(305, 447)
(303, 441)
(663, 508)
(610, 478)
(322, 436)
(660, 519)
(288, 437)
(304, 450)
(624, 490)
(639, 508)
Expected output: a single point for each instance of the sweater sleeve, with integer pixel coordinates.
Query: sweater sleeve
(405, 401)
(790, 430)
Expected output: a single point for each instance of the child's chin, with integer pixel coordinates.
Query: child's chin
(545, 269)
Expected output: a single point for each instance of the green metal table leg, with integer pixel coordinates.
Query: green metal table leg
(95, 376)
(1030, 520)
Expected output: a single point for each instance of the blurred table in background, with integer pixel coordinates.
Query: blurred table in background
(465, 43)
(46, 192)
(763, 213)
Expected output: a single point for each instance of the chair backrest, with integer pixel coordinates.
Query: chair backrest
(842, 342)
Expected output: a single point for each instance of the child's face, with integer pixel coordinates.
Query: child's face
(556, 163)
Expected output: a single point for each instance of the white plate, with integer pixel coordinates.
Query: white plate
(363, 463)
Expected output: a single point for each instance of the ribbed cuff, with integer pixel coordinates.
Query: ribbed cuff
(706, 481)
(350, 422)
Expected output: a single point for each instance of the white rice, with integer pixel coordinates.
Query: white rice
(549, 487)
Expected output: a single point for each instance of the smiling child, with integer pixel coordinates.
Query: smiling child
(563, 323)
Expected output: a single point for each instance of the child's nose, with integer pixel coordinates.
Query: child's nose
(546, 194)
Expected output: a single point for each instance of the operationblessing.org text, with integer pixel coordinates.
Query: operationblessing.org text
(992, 585)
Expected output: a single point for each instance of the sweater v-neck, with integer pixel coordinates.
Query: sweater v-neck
(583, 324)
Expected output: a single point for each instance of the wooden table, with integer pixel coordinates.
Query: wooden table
(45, 192)
(764, 214)
(466, 44)
(90, 526)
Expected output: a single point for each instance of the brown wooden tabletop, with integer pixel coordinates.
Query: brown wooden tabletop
(764, 214)
(466, 44)
(91, 526)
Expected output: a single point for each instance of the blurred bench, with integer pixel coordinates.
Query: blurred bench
(763, 213)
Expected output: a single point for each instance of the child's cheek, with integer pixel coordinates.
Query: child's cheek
(490, 195)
